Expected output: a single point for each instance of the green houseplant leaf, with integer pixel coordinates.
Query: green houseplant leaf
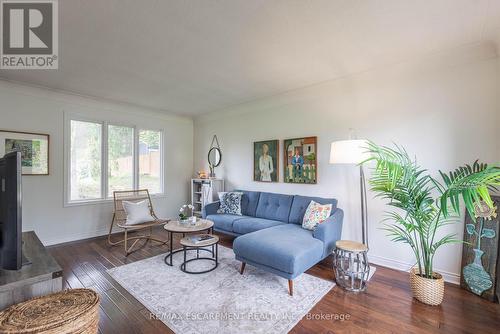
(472, 184)
(419, 214)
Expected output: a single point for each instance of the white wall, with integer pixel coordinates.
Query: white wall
(444, 109)
(31, 109)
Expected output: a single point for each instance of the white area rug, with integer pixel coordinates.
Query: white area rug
(221, 301)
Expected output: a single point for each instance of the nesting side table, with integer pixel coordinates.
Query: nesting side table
(202, 246)
(173, 227)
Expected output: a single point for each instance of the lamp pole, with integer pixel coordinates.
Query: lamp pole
(364, 209)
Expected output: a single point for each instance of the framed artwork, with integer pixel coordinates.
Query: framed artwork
(265, 161)
(481, 253)
(300, 163)
(34, 148)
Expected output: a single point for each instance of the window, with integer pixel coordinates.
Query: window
(149, 160)
(85, 166)
(120, 158)
(104, 157)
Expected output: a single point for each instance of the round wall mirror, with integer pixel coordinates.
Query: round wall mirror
(214, 157)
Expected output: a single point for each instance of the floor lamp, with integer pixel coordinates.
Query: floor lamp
(353, 152)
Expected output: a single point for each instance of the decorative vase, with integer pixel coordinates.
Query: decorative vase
(429, 291)
(476, 277)
(192, 220)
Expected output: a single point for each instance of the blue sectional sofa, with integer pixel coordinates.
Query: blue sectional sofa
(270, 235)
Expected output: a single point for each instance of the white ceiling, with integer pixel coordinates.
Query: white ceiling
(192, 57)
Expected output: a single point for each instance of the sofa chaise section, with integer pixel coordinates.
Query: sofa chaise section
(289, 250)
(285, 250)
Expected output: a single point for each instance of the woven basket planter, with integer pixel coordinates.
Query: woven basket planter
(72, 311)
(429, 291)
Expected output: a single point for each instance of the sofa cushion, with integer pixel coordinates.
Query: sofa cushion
(230, 203)
(288, 248)
(249, 202)
(316, 214)
(300, 204)
(274, 206)
(247, 225)
(223, 221)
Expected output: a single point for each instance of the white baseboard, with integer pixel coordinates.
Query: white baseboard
(59, 239)
(404, 266)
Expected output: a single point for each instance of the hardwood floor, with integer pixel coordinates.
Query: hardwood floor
(386, 306)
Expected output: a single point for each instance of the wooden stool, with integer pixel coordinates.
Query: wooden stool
(71, 311)
(351, 265)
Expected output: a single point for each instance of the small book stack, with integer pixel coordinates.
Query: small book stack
(200, 238)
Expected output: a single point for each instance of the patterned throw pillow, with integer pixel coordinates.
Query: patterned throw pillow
(230, 203)
(315, 215)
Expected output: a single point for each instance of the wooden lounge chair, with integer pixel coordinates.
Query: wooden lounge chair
(120, 217)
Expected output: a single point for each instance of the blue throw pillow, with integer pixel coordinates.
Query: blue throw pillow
(230, 203)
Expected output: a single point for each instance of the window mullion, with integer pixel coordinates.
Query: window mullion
(162, 162)
(67, 158)
(136, 158)
(104, 161)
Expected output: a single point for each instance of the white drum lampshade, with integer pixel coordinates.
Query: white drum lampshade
(349, 151)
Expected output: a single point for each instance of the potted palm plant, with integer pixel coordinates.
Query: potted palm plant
(423, 205)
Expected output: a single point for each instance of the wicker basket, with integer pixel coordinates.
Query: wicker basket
(429, 291)
(71, 311)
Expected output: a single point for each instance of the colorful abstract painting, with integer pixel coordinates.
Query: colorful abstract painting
(301, 160)
(34, 150)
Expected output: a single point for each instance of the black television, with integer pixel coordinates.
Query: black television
(10, 212)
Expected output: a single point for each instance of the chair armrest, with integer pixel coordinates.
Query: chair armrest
(210, 209)
(330, 231)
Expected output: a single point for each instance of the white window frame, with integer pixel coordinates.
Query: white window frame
(105, 197)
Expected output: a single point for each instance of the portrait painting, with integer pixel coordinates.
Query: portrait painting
(300, 160)
(266, 157)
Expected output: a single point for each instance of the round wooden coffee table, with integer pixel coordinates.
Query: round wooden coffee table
(174, 226)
